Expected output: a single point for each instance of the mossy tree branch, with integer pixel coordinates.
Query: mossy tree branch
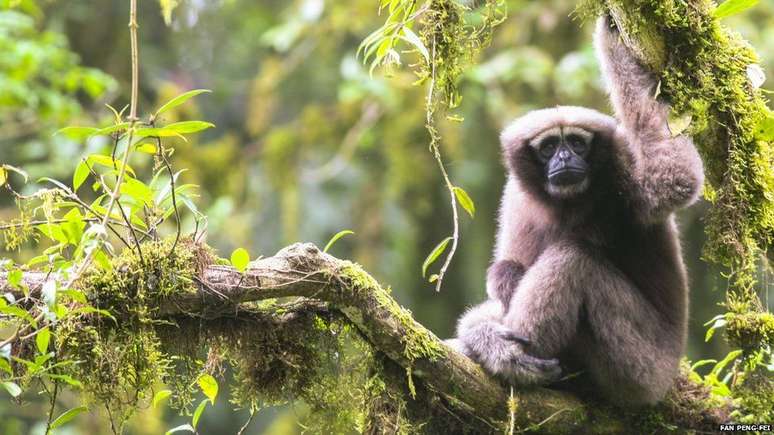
(448, 384)
(703, 67)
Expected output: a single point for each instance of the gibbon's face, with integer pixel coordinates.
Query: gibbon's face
(563, 153)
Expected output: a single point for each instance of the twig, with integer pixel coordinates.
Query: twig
(247, 423)
(128, 151)
(437, 155)
(172, 186)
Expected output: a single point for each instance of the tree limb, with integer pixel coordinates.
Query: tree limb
(302, 270)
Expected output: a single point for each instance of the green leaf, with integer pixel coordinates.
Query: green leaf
(65, 378)
(465, 201)
(180, 99)
(5, 366)
(12, 389)
(157, 132)
(167, 6)
(733, 7)
(336, 237)
(110, 129)
(10, 168)
(182, 427)
(13, 310)
(42, 339)
(15, 277)
(75, 132)
(239, 259)
(412, 38)
(702, 363)
(68, 415)
(435, 254)
(147, 148)
(159, 396)
(209, 386)
(198, 413)
(80, 175)
(724, 362)
(189, 126)
(764, 130)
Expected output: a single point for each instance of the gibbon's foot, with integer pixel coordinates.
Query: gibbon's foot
(501, 352)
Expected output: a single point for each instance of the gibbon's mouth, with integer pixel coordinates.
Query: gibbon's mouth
(566, 177)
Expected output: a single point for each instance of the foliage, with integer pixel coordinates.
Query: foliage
(447, 42)
(120, 363)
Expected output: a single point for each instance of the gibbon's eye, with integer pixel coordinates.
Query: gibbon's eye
(577, 144)
(548, 147)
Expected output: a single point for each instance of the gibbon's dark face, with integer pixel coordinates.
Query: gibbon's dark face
(563, 152)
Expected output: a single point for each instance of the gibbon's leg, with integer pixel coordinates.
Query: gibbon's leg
(634, 353)
(482, 337)
(546, 305)
(666, 167)
(502, 278)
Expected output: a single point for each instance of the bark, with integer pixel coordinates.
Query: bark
(445, 379)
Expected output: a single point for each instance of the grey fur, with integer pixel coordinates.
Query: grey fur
(599, 283)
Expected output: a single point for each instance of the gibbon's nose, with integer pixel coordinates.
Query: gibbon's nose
(566, 177)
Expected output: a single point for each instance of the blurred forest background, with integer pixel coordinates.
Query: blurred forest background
(307, 143)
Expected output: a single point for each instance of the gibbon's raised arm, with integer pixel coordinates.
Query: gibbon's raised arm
(667, 171)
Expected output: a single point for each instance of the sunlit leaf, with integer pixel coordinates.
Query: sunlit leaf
(724, 362)
(158, 132)
(209, 386)
(336, 237)
(465, 201)
(160, 396)
(10, 168)
(180, 99)
(67, 416)
(167, 7)
(147, 148)
(765, 128)
(239, 259)
(733, 7)
(80, 175)
(189, 126)
(12, 389)
(434, 254)
(42, 339)
(75, 132)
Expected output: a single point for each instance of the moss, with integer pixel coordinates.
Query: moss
(755, 398)
(703, 72)
(418, 341)
(119, 356)
(749, 330)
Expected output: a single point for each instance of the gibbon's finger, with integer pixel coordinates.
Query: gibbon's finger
(548, 367)
(512, 336)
